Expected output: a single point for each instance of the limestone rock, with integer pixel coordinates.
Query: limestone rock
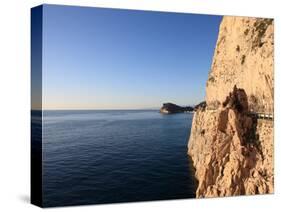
(232, 151)
(243, 57)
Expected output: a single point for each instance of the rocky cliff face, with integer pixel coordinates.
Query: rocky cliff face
(243, 57)
(230, 145)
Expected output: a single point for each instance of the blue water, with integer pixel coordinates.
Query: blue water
(93, 157)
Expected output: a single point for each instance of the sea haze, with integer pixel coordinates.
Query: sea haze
(110, 156)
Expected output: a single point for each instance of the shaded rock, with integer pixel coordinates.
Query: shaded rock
(200, 106)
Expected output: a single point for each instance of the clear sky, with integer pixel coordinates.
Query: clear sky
(95, 58)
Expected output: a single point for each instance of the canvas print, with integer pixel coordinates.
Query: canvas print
(130, 105)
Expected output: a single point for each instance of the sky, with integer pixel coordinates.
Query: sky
(96, 58)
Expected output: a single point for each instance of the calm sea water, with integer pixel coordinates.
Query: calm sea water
(92, 157)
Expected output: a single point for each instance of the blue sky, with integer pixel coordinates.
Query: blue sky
(95, 58)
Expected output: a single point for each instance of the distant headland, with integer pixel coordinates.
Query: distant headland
(170, 108)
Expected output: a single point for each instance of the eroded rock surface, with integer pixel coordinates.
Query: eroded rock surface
(232, 150)
(243, 57)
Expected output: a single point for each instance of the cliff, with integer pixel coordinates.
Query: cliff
(231, 140)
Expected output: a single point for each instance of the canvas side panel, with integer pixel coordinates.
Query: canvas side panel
(36, 105)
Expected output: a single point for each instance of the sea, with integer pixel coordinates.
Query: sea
(114, 156)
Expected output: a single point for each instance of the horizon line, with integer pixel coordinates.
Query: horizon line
(95, 109)
(146, 108)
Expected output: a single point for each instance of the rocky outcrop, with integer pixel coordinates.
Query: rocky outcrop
(243, 57)
(169, 108)
(231, 148)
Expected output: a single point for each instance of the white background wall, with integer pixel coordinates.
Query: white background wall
(15, 102)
